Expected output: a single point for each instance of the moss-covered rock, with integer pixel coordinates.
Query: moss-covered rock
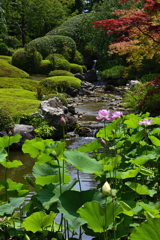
(28, 60)
(75, 68)
(56, 43)
(61, 97)
(45, 67)
(60, 73)
(7, 70)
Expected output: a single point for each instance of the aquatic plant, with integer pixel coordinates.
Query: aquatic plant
(126, 164)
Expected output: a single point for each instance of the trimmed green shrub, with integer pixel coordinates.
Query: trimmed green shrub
(10, 41)
(115, 72)
(79, 28)
(58, 62)
(75, 68)
(6, 121)
(45, 67)
(50, 86)
(3, 49)
(28, 60)
(78, 59)
(55, 44)
(7, 70)
(60, 73)
(61, 97)
(149, 77)
(84, 69)
(56, 84)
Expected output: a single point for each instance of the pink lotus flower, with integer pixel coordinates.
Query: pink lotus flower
(146, 122)
(62, 122)
(116, 115)
(103, 143)
(103, 114)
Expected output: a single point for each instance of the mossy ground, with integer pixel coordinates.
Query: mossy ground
(18, 101)
(17, 90)
(7, 70)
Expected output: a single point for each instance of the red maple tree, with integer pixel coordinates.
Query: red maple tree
(140, 32)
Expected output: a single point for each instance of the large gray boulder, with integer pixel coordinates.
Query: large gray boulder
(91, 76)
(87, 88)
(52, 110)
(26, 131)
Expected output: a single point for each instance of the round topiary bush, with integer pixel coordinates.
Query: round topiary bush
(78, 58)
(45, 67)
(51, 86)
(75, 68)
(84, 69)
(58, 62)
(55, 43)
(6, 121)
(3, 49)
(60, 73)
(28, 60)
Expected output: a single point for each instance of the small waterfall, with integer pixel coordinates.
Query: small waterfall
(94, 64)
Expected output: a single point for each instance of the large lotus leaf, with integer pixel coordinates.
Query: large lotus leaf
(151, 208)
(127, 210)
(142, 159)
(59, 149)
(106, 132)
(3, 154)
(138, 188)
(38, 221)
(43, 158)
(133, 120)
(131, 173)
(91, 147)
(154, 140)
(94, 214)
(51, 193)
(9, 164)
(146, 171)
(71, 201)
(44, 170)
(83, 162)
(7, 141)
(14, 189)
(43, 180)
(113, 163)
(148, 230)
(12, 204)
(138, 136)
(48, 169)
(35, 146)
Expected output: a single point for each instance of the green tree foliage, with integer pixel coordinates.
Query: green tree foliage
(32, 19)
(3, 27)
